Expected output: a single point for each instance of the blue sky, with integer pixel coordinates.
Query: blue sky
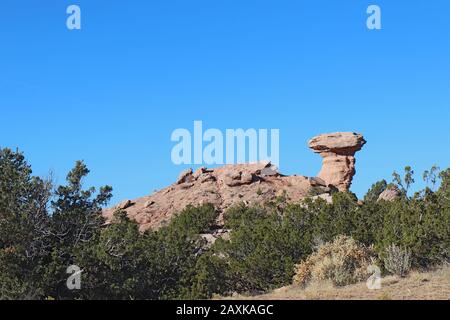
(112, 93)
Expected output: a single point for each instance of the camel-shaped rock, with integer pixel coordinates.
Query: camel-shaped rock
(338, 152)
(248, 183)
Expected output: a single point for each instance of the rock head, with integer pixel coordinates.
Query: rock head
(338, 153)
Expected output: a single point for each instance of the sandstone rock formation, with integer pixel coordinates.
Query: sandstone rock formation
(338, 153)
(390, 194)
(248, 183)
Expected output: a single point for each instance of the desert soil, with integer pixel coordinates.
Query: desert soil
(434, 285)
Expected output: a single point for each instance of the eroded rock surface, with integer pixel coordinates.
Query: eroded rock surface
(222, 187)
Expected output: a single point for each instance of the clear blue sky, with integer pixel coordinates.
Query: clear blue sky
(112, 93)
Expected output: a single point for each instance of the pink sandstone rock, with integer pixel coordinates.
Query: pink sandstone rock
(338, 153)
(390, 194)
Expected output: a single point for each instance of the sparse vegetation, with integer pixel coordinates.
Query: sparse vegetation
(397, 260)
(259, 192)
(428, 285)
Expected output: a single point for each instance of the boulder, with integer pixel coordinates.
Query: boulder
(390, 194)
(185, 176)
(125, 204)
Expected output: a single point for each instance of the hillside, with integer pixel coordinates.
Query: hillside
(433, 285)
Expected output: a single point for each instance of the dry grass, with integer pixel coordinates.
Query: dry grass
(343, 261)
(417, 286)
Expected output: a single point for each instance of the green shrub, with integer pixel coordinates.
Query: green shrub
(422, 226)
(263, 248)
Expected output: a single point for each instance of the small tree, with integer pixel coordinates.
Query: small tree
(24, 228)
(431, 176)
(77, 212)
(76, 220)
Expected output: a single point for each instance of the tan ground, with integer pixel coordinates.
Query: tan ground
(417, 286)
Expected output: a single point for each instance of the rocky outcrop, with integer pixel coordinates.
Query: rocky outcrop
(222, 187)
(338, 153)
(390, 194)
(125, 204)
(248, 183)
